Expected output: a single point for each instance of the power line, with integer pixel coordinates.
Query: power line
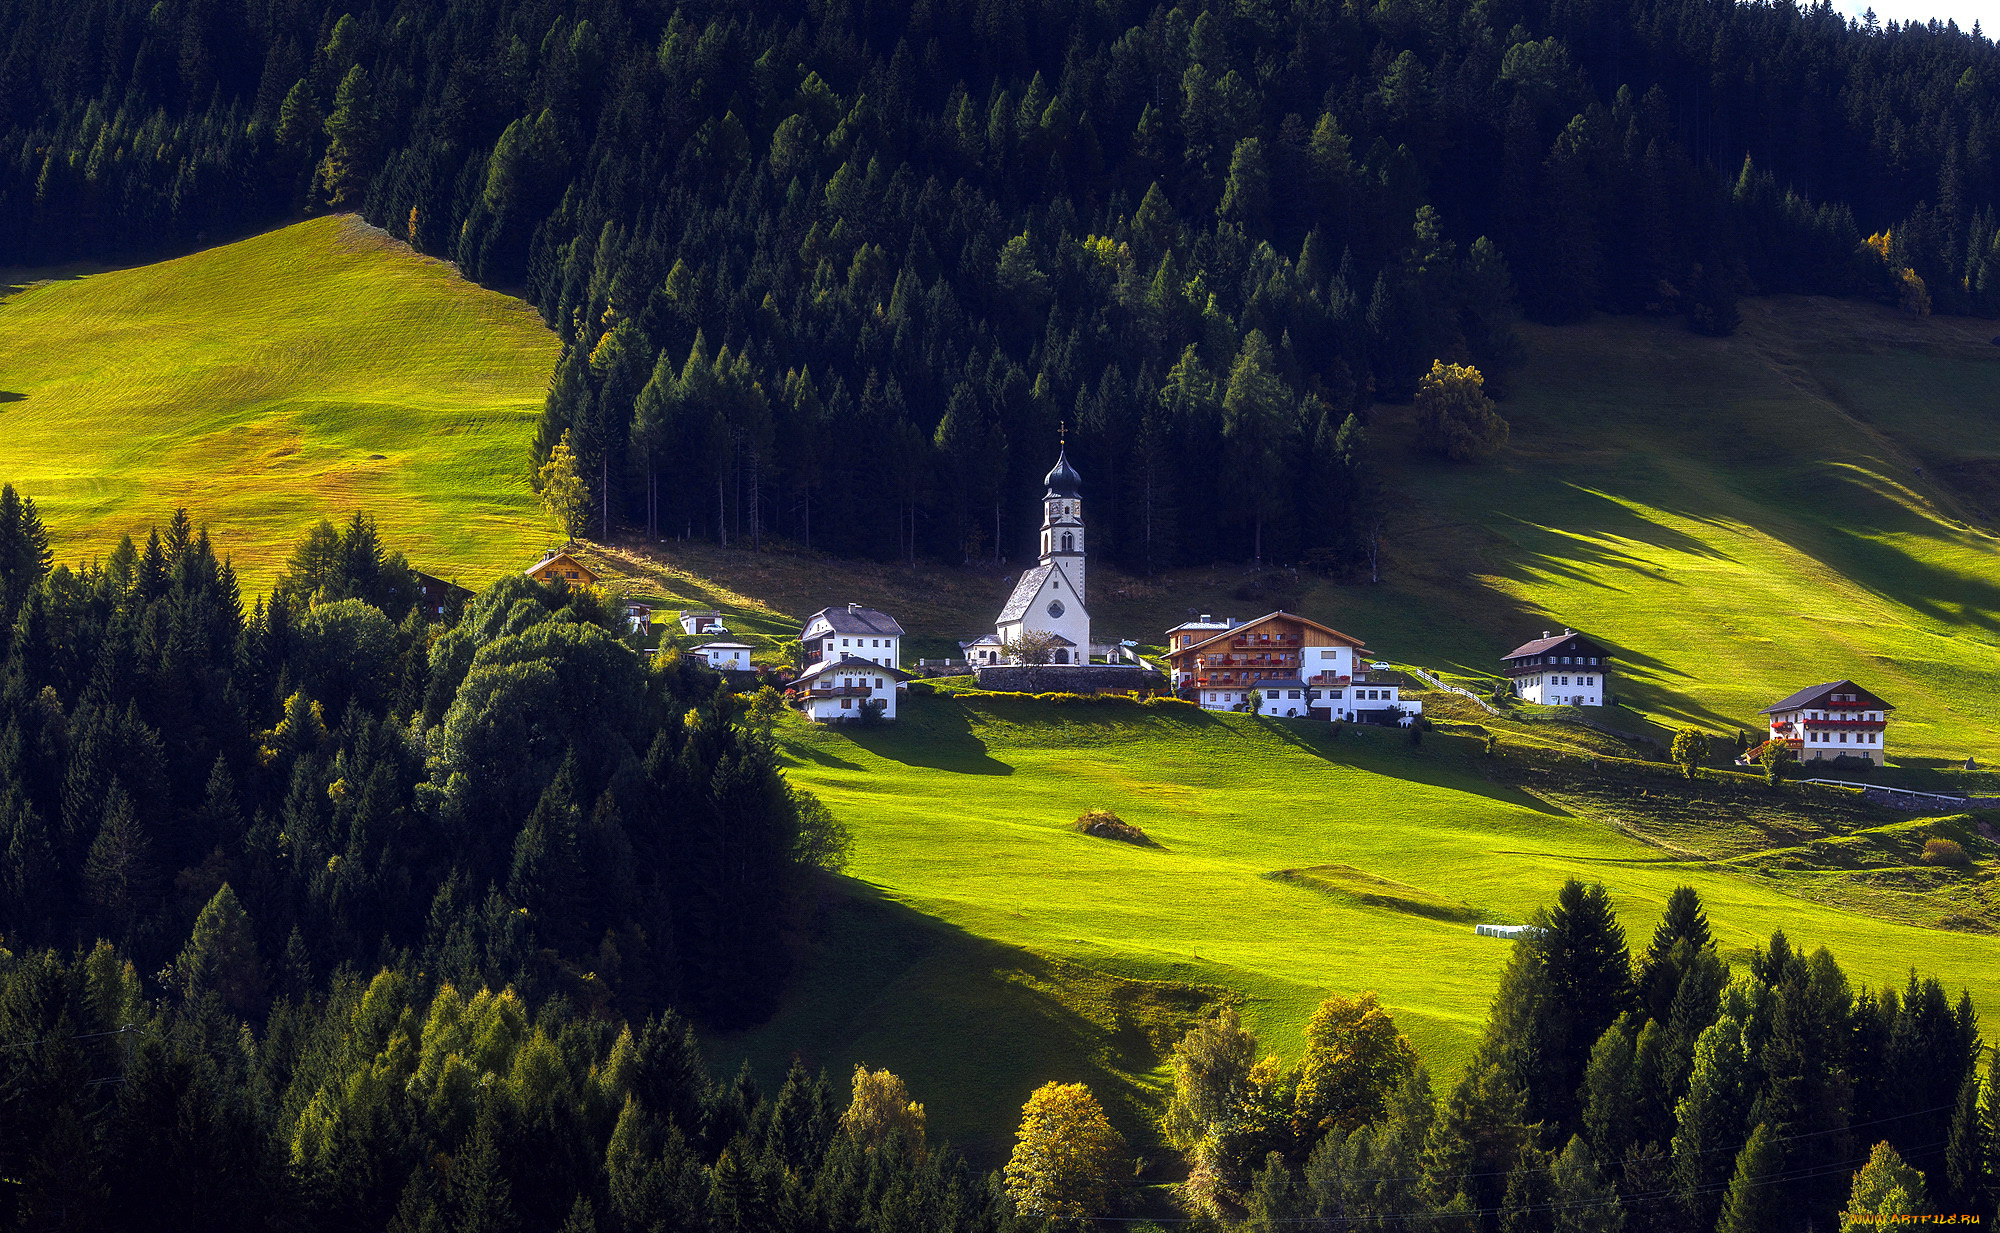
(49, 1040)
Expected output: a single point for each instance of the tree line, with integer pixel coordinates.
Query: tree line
(1611, 1093)
(250, 802)
(838, 278)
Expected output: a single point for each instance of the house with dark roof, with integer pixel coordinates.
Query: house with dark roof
(1565, 669)
(853, 631)
(439, 597)
(725, 656)
(1836, 720)
(843, 689)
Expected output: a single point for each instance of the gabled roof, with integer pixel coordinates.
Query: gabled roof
(1547, 643)
(535, 570)
(1238, 630)
(856, 619)
(1811, 695)
(1029, 586)
(699, 612)
(981, 640)
(725, 646)
(848, 663)
(1211, 625)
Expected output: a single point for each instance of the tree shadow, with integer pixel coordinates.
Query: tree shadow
(935, 733)
(810, 753)
(11, 396)
(1379, 751)
(881, 984)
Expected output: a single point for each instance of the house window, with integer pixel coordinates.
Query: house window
(847, 704)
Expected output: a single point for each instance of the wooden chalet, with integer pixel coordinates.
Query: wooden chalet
(561, 566)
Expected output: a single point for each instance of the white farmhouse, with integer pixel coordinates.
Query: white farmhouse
(726, 656)
(1836, 720)
(1565, 669)
(834, 690)
(853, 631)
(1049, 599)
(639, 617)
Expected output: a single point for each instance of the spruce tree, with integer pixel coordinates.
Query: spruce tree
(1754, 1202)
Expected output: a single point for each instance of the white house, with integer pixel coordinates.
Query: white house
(698, 621)
(731, 656)
(1050, 598)
(1565, 669)
(639, 617)
(855, 632)
(841, 689)
(1836, 720)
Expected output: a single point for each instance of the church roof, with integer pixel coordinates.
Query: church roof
(1029, 586)
(1062, 479)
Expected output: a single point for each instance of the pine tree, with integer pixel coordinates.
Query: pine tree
(221, 956)
(1754, 1203)
(353, 141)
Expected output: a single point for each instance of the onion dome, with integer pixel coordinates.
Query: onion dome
(1062, 480)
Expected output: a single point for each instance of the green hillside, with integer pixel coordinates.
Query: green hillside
(1290, 861)
(312, 371)
(1809, 500)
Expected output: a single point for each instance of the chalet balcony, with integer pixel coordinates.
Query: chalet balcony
(1258, 644)
(1261, 660)
(1841, 725)
(840, 691)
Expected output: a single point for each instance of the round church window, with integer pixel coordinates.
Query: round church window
(1055, 608)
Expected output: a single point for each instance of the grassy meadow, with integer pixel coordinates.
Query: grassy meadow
(309, 372)
(1290, 861)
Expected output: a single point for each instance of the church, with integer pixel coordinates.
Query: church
(1049, 600)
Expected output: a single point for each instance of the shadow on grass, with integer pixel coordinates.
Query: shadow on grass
(933, 733)
(1440, 762)
(809, 753)
(972, 1025)
(11, 396)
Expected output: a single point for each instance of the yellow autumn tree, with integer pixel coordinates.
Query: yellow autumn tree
(880, 1107)
(564, 494)
(1355, 1060)
(1455, 418)
(1904, 284)
(1067, 1157)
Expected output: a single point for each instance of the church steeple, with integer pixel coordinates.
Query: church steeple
(1062, 518)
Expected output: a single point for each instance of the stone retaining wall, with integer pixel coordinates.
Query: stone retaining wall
(1068, 678)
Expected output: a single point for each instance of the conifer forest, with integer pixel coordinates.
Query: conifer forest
(335, 908)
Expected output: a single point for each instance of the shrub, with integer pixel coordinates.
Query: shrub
(1107, 825)
(1941, 851)
(1166, 700)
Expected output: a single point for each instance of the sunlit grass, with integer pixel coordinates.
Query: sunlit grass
(312, 371)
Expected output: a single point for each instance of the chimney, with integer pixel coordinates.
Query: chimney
(1545, 633)
(1568, 632)
(854, 607)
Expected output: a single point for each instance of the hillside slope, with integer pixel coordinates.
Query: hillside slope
(312, 371)
(1291, 860)
(1809, 500)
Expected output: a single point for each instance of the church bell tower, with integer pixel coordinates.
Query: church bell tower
(1062, 522)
